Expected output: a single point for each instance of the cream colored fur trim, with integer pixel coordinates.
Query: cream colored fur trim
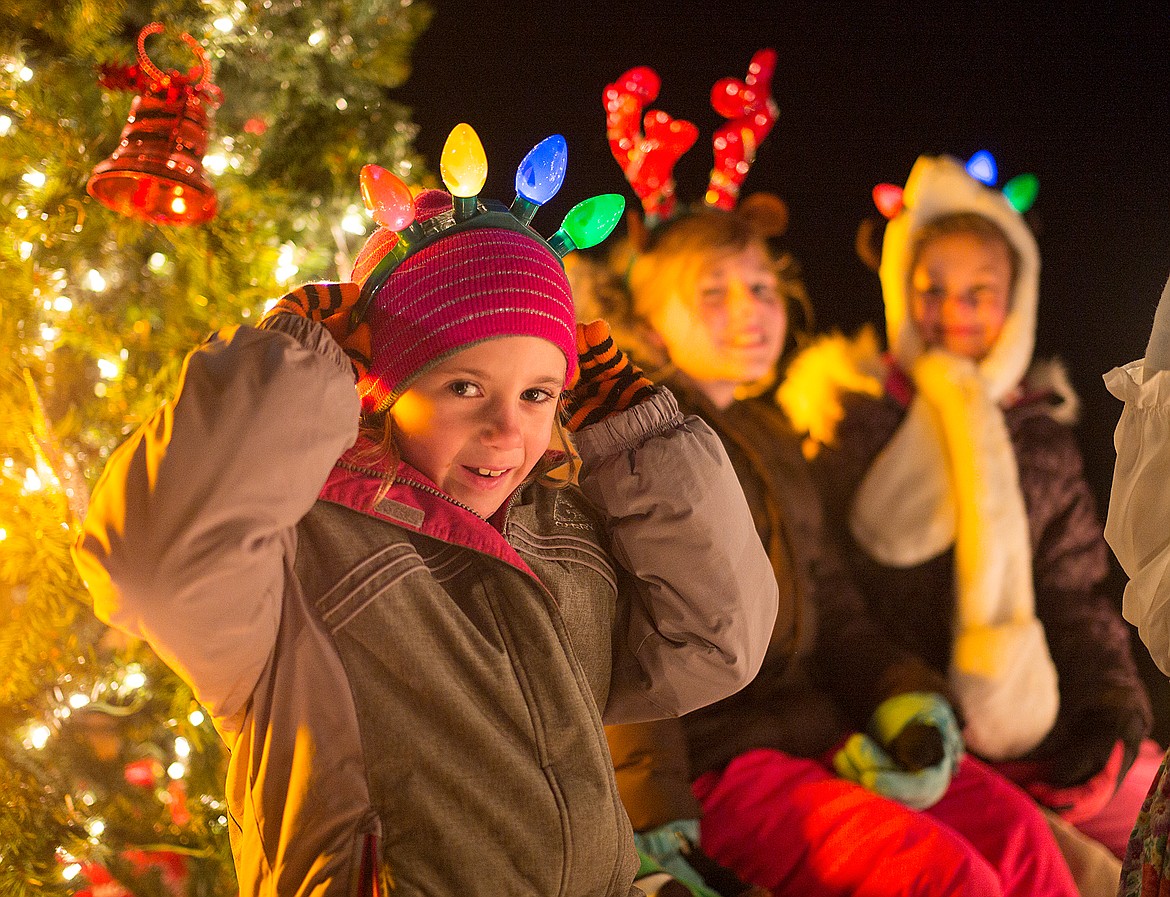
(1001, 662)
(820, 374)
(1009, 699)
(952, 462)
(904, 513)
(1050, 375)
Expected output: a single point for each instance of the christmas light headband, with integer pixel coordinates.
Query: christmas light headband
(1020, 191)
(647, 157)
(463, 167)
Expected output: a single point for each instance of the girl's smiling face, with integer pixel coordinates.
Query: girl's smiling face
(725, 327)
(478, 421)
(960, 292)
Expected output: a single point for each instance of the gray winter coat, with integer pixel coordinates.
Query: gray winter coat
(410, 694)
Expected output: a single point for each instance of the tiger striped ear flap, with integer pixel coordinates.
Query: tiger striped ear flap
(647, 148)
(330, 304)
(752, 112)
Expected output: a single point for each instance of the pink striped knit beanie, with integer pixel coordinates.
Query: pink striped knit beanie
(470, 286)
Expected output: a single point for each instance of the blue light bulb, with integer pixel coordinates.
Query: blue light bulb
(539, 176)
(981, 166)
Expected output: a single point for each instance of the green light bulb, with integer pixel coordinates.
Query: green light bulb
(588, 223)
(1021, 191)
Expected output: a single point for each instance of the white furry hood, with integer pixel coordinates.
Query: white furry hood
(938, 186)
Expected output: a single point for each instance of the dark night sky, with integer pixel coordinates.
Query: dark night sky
(1081, 97)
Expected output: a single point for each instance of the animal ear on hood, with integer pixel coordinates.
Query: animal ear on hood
(868, 243)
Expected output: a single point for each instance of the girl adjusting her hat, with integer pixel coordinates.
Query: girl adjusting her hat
(407, 634)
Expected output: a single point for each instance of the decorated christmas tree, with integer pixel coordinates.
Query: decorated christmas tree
(221, 148)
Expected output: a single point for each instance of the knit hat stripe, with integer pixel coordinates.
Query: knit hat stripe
(477, 244)
(503, 292)
(538, 288)
(428, 280)
(497, 331)
(472, 285)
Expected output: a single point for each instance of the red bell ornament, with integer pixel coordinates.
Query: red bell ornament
(156, 172)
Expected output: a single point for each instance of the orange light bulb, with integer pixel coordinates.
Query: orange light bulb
(387, 197)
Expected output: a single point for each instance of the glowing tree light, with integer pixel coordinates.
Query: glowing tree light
(1021, 191)
(391, 205)
(888, 199)
(388, 200)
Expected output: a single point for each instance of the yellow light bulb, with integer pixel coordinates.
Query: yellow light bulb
(463, 164)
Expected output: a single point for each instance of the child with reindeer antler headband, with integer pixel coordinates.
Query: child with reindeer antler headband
(780, 782)
(951, 473)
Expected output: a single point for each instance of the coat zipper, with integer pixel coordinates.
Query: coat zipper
(440, 494)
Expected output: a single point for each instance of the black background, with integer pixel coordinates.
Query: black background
(1079, 95)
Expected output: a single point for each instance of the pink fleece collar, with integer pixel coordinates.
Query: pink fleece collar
(414, 503)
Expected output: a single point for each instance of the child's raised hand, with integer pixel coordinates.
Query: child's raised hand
(608, 383)
(330, 304)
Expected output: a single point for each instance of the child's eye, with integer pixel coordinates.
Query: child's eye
(766, 293)
(983, 293)
(712, 296)
(465, 389)
(537, 395)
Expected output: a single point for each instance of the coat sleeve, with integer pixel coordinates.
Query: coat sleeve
(700, 597)
(856, 659)
(191, 523)
(1088, 640)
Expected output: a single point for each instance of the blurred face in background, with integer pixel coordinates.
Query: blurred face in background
(723, 321)
(960, 292)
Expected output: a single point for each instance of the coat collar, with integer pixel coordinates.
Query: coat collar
(414, 503)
